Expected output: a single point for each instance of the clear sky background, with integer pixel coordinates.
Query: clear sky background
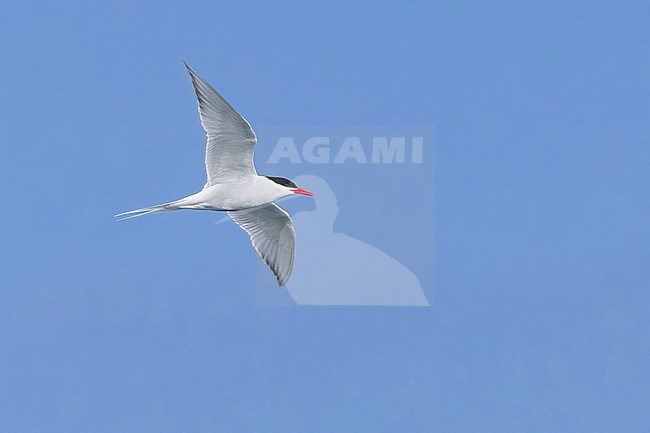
(540, 318)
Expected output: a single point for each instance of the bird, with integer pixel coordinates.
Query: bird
(233, 185)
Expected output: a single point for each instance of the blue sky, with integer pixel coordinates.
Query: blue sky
(540, 314)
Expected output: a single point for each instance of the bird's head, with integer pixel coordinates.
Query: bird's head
(289, 187)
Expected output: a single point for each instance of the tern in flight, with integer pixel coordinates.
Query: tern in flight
(234, 186)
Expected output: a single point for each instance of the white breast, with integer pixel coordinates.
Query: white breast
(250, 192)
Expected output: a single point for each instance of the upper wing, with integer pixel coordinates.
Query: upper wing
(271, 232)
(229, 151)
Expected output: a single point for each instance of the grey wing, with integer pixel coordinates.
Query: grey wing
(272, 234)
(231, 140)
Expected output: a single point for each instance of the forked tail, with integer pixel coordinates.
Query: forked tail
(147, 211)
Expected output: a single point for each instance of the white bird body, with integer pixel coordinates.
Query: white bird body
(234, 186)
(230, 196)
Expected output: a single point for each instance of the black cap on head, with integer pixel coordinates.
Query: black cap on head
(282, 181)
